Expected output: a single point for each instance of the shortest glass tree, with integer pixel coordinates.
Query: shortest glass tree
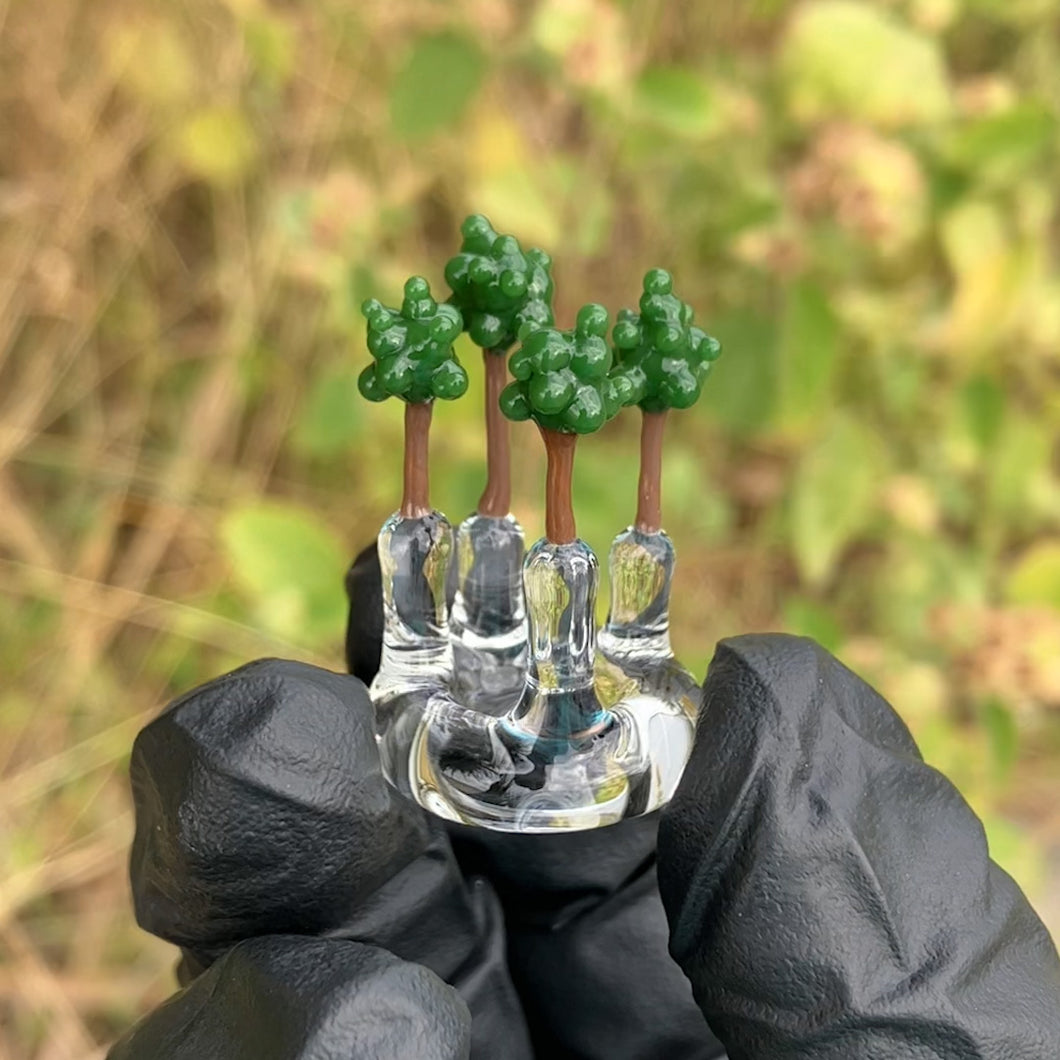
(669, 359)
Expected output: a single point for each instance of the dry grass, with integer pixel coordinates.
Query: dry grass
(108, 489)
(156, 340)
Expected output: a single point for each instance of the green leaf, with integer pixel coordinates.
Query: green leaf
(834, 496)
(844, 58)
(1035, 580)
(689, 498)
(809, 619)
(438, 80)
(1003, 146)
(291, 565)
(983, 404)
(741, 387)
(1017, 462)
(217, 144)
(1000, 726)
(677, 99)
(330, 418)
(808, 351)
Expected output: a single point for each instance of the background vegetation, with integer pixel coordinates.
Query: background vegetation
(861, 198)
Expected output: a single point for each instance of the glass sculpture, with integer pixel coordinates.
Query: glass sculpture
(497, 703)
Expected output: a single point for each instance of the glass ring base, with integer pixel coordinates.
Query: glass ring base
(489, 772)
(517, 720)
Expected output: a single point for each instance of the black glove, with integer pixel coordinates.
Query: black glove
(829, 894)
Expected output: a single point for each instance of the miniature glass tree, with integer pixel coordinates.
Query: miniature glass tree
(499, 289)
(413, 360)
(669, 358)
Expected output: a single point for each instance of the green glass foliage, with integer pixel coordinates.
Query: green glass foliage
(565, 380)
(413, 348)
(498, 286)
(666, 355)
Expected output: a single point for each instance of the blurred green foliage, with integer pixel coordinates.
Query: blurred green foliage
(669, 357)
(565, 380)
(859, 197)
(286, 561)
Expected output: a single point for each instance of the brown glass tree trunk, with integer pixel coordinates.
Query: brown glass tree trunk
(649, 489)
(416, 500)
(559, 511)
(497, 498)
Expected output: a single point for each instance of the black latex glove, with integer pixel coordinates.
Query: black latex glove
(830, 896)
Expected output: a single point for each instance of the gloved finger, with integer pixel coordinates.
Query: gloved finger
(291, 998)
(261, 809)
(364, 628)
(587, 942)
(830, 895)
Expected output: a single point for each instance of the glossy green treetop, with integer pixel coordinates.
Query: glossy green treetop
(498, 286)
(668, 356)
(413, 348)
(566, 380)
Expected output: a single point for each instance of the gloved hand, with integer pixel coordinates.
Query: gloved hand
(828, 895)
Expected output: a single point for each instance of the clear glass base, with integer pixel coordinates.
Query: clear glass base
(636, 642)
(487, 616)
(636, 637)
(466, 766)
(582, 746)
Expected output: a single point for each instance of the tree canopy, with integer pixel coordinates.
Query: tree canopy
(566, 380)
(498, 286)
(412, 348)
(667, 355)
